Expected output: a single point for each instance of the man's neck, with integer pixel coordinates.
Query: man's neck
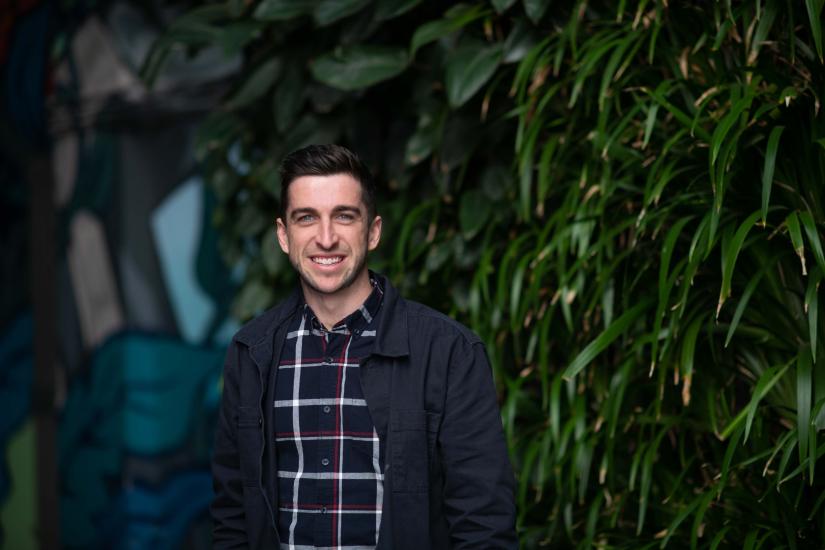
(331, 308)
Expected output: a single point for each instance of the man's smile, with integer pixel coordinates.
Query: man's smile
(327, 260)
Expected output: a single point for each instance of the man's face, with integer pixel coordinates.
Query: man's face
(326, 232)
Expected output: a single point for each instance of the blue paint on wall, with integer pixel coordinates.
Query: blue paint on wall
(150, 400)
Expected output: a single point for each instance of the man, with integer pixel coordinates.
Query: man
(351, 417)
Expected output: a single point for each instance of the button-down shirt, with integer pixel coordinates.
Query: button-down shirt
(330, 482)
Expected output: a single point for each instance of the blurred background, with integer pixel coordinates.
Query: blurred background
(624, 200)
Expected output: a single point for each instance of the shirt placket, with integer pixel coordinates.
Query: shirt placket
(327, 424)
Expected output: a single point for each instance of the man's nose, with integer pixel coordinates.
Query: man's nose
(327, 238)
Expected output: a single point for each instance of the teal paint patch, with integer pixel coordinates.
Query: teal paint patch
(176, 227)
(146, 410)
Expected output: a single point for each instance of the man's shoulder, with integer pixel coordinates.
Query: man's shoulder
(257, 328)
(424, 320)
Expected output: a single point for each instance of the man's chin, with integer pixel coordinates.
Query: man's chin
(326, 286)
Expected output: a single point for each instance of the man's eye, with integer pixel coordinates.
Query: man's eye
(346, 217)
(305, 218)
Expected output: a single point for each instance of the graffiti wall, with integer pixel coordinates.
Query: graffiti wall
(142, 308)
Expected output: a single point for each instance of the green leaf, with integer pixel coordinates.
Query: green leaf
(459, 16)
(746, 296)
(729, 256)
(767, 171)
(502, 5)
(468, 69)
(695, 532)
(281, 10)
(814, 8)
(535, 9)
(289, 97)
(812, 308)
(767, 381)
(594, 348)
(234, 37)
(474, 212)
(647, 477)
(330, 11)
(689, 347)
(358, 67)
(651, 120)
(519, 42)
(682, 515)
(727, 459)
(387, 9)
(719, 537)
(258, 83)
(420, 145)
(725, 125)
(218, 130)
(196, 27)
(792, 223)
(813, 237)
(804, 384)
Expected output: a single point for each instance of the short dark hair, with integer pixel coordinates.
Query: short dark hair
(326, 160)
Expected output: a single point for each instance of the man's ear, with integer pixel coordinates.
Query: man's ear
(374, 233)
(283, 238)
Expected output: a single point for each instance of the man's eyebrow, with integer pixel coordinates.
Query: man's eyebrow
(301, 211)
(347, 208)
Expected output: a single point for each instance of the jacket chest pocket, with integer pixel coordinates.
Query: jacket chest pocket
(414, 434)
(250, 438)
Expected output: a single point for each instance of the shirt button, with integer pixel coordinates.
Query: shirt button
(324, 510)
(327, 409)
(325, 461)
(328, 360)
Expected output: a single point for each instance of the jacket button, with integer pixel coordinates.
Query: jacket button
(260, 421)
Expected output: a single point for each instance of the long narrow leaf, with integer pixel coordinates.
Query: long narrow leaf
(767, 381)
(814, 8)
(729, 256)
(803, 401)
(594, 348)
(768, 170)
(812, 233)
(812, 307)
(795, 233)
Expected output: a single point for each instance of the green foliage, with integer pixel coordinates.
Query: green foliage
(625, 200)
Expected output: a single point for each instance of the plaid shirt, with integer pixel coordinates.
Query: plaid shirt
(330, 481)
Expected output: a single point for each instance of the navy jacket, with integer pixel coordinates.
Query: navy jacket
(429, 388)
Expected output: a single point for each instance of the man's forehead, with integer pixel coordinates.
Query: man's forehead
(325, 192)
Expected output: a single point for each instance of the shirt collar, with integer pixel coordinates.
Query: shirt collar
(358, 319)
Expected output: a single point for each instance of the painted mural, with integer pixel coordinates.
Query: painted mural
(143, 297)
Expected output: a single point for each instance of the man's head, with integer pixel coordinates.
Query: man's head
(326, 160)
(328, 220)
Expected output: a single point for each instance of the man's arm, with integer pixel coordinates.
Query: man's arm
(479, 483)
(228, 529)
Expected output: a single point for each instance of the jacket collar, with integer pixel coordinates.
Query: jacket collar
(391, 337)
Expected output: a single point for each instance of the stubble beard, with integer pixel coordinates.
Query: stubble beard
(348, 280)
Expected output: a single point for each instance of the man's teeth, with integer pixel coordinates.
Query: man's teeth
(327, 261)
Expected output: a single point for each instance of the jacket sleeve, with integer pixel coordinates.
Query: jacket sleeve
(227, 506)
(478, 478)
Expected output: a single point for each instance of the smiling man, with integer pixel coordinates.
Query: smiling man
(352, 418)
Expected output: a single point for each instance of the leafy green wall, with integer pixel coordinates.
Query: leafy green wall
(624, 199)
